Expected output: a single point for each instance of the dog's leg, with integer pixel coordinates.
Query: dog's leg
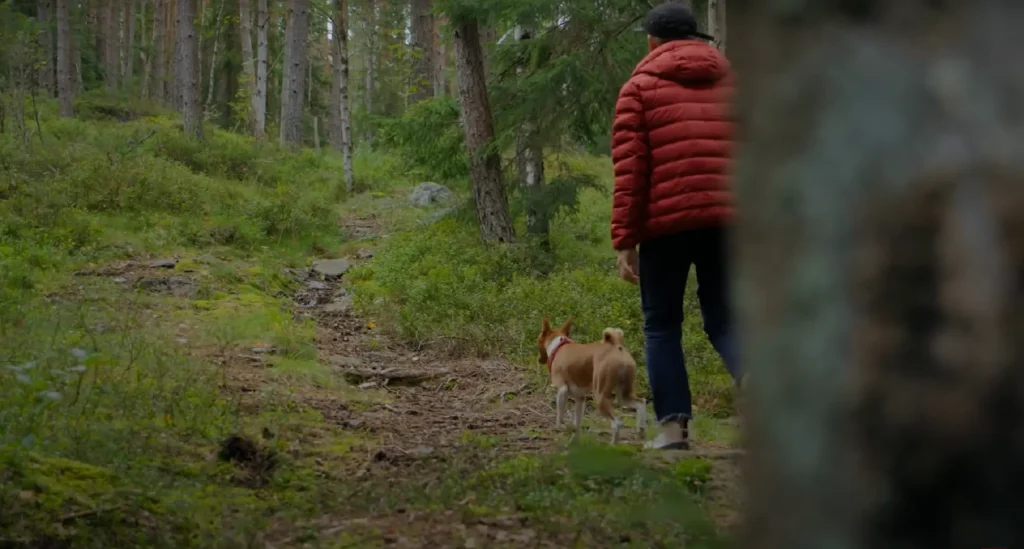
(560, 402)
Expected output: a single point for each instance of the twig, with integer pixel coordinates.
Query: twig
(89, 513)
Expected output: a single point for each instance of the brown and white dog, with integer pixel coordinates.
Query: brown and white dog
(604, 369)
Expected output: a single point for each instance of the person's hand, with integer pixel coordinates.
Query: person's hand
(628, 263)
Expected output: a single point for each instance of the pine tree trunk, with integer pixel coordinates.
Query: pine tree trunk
(293, 78)
(157, 86)
(423, 51)
(46, 42)
(371, 59)
(213, 56)
(440, 69)
(340, 132)
(129, 30)
(145, 56)
(111, 25)
(248, 61)
(65, 76)
(259, 96)
(485, 164)
(173, 46)
(187, 69)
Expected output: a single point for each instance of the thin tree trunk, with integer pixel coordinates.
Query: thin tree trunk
(129, 29)
(173, 46)
(340, 132)
(530, 164)
(65, 77)
(248, 61)
(485, 163)
(371, 58)
(186, 66)
(440, 68)
(157, 86)
(259, 96)
(213, 56)
(716, 22)
(110, 24)
(423, 51)
(293, 78)
(46, 43)
(145, 56)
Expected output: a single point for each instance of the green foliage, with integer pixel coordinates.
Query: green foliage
(429, 139)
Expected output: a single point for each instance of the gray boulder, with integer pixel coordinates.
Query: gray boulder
(426, 194)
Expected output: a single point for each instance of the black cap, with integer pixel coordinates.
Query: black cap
(672, 21)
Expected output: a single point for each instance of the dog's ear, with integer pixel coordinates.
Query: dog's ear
(567, 326)
(545, 324)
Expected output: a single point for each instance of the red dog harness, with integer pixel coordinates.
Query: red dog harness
(553, 348)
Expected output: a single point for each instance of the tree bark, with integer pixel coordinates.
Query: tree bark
(485, 163)
(371, 59)
(423, 51)
(65, 73)
(173, 47)
(440, 68)
(259, 96)
(213, 56)
(111, 25)
(293, 78)
(248, 61)
(128, 51)
(341, 116)
(880, 272)
(716, 22)
(157, 86)
(187, 69)
(47, 67)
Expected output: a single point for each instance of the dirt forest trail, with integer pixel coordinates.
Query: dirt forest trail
(424, 418)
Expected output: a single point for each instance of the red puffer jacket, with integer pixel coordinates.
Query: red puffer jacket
(672, 144)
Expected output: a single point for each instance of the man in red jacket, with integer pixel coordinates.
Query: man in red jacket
(672, 148)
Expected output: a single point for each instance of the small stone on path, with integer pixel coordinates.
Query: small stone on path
(331, 268)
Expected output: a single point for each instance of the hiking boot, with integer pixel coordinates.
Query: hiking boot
(672, 435)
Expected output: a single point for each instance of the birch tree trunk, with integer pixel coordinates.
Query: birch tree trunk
(65, 73)
(530, 164)
(880, 263)
(187, 69)
(485, 163)
(173, 45)
(158, 87)
(259, 96)
(423, 51)
(440, 68)
(341, 116)
(717, 22)
(293, 78)
(213, 56)
(44, 14)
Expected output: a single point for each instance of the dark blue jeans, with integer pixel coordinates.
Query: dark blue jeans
(664, 267)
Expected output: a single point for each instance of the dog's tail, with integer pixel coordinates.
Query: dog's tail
(614, 336)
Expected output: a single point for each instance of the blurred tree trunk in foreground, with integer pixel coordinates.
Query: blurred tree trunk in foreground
(880, 271)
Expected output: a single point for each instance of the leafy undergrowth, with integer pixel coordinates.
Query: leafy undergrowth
(172, 375)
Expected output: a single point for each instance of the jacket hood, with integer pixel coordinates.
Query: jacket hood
(686, 62)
